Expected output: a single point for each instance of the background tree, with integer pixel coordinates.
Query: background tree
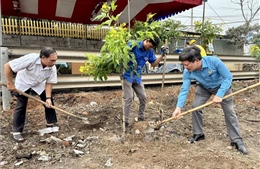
(171, 30)
(240, 36)
(208, 32)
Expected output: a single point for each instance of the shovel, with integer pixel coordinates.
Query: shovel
(157, 125)
(84, 119)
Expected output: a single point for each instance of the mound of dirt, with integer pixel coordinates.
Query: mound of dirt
(102, 144)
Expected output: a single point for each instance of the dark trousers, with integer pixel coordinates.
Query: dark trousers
(232, 125)
(128, 98)
(20, 111)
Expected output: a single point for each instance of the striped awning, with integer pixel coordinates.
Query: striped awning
(83, 11)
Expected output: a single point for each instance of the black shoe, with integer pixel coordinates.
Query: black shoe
(140, 119)
(240, 147)
(197, 137)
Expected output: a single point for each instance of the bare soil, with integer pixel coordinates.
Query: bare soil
(104, 145)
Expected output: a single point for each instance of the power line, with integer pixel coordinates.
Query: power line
(217, 14)
(212, 13)
(227, 8)
(241, 21)
(208, 16)
(229, 22)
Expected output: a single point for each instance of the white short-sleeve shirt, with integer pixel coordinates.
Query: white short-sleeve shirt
(31, 74)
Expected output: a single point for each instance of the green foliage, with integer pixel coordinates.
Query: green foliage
(239, 35)
(115, 54)
(142, 30)
(167, 29)
(170, 30)
(208, 32)
(255, 52)
(255, 49)
(256, 39)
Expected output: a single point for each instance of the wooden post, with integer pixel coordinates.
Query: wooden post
(5, 93)
(163, 78)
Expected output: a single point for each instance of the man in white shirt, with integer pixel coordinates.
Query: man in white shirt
(34, 72)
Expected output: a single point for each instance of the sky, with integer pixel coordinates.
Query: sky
(218, 11)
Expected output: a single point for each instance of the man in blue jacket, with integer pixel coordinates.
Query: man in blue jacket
(133, 77)
(214, 79)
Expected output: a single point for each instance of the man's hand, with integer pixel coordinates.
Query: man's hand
(176, 113)
(217, 99)
(11, 87)
(165, 50)
(48, 103)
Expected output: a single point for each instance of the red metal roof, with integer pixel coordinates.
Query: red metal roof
(83, 11)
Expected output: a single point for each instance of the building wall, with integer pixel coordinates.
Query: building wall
(58, 43)
(221, 47)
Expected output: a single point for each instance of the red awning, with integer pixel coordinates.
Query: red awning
(83, 11)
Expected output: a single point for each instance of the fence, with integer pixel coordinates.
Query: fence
(51, 28)
(14, 26)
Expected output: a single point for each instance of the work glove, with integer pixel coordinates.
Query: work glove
(165, 50)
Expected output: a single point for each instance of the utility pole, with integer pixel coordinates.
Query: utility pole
(128, 10)
(203, 18)
(191, 20)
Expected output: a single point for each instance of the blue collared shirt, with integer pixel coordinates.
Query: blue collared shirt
(214, 73)
(141, 57)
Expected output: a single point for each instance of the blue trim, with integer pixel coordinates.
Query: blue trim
(169, 15)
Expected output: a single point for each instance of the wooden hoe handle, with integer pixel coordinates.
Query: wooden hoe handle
(38, 100)
(211, 102)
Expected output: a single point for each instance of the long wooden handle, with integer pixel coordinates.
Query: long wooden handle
(164, 66)
(38, 100)
(211, 102)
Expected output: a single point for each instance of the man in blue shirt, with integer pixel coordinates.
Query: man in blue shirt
(214, 79)
(133, 77)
